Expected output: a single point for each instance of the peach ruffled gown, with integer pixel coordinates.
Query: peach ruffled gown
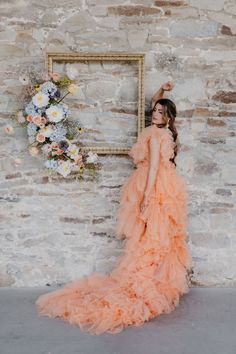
(151, 274)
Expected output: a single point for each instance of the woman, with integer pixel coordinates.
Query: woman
(163, 115)
(151, 274)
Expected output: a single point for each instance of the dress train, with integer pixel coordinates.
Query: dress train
(151, 274)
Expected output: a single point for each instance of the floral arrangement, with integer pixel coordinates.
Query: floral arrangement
(49, 129)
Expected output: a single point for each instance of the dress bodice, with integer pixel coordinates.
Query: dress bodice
(140, 150)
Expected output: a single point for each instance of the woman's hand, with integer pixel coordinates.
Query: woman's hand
(144, 204)
(168, 86)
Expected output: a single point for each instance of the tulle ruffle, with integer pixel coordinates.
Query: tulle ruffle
(150, 275)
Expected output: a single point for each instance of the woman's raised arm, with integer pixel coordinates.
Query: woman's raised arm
(159, 94)
(168, 86)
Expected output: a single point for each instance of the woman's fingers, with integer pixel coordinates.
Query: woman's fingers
(168, 86)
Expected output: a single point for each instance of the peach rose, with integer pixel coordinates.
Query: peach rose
(54, 145)
(33, 151)
(45, 77)
(40, 137)
(43, 122)
(37, 120)
(59, 152)
(72, 88)
(78, 158)
(9, 129)
(55, 76)
(29, 118)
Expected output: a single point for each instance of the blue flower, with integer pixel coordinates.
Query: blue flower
(65, 109)
(31, 139)
(59, 133)
(33, 110)
(63, 145)
(49, 88)
(57, 94)
(51, 164)
(32, 129)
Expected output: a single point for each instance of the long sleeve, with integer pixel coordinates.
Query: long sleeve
(159, 94)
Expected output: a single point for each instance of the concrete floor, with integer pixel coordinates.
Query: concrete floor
(204, 322)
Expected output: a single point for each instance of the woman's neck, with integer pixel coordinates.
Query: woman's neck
(160, 125)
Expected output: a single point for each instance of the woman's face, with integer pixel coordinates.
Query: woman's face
(157, 114)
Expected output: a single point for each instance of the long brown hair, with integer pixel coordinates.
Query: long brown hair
(169, 114)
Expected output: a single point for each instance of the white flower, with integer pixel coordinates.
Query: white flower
(20, 117)
(71, 71)
(92, 157)
(72, 88)
(40, 99)
(24, 79)
(72, 151)
(47, 131)
(46, 149)
(55, 114)
(64, 168)
(75, 167)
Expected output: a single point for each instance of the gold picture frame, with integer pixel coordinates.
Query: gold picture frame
(52, 58)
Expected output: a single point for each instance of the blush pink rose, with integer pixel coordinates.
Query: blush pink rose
(9, 129)
(55, 76)
(40, 138)
(78, 158)
(29, 118)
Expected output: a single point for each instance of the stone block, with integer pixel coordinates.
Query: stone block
(8, 35)
(223, 191)
(108, 22)
(219, 55)
(216, 5)
(170, 3)
(137, 39)
(98, 90)
(128, 92)
(131, 10)
(225, 97)
(80, 20)
(211, 240)
(98, 11)
(193, 88)
(230, 7)
(193, 28)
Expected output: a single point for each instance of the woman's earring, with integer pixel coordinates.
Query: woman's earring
(167, 125)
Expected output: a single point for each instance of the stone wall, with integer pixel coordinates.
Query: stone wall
(53, 232)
